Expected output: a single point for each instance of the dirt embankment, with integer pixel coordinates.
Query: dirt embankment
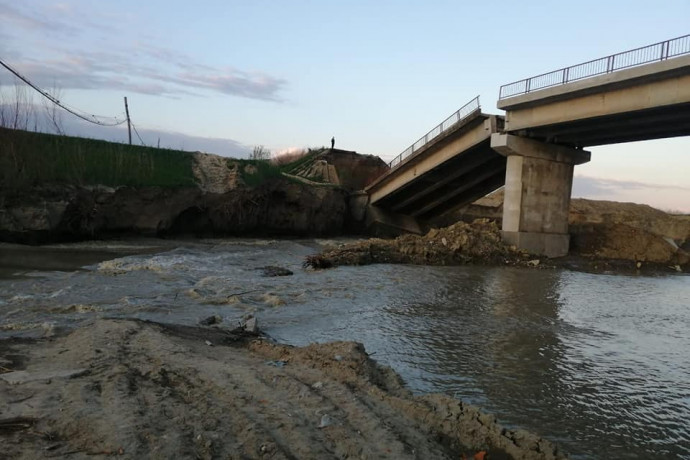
(629, 231)
(230, 197)
(603, 247)
(461, 243)
(607, 229)
(222, 203)
(143, 390)
(349, 170)
(64, 213)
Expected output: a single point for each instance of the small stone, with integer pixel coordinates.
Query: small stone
(534, 262)
(251, 325)
(638, 265)
(317, 385)
(444, 241)
(338, 358)
(208, 343)
(215, 319)
(325, 421)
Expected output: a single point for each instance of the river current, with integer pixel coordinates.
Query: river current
(599, 364)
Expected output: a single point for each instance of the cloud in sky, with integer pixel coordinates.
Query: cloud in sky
(665, 197)
(141, 68)
(34, 20)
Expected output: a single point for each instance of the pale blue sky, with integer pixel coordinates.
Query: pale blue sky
(290, 74)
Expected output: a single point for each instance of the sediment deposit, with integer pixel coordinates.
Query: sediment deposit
(144, 390)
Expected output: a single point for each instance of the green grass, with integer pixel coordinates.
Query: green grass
(29, 158)
(256, 172)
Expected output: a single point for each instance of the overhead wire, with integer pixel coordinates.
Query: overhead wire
(92, 119)
(137, 133)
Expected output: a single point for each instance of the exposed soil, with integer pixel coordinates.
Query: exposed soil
(144, 390)
(215, 174)
(461, 243)
(607, 231)
(67, 213)
(350, 170)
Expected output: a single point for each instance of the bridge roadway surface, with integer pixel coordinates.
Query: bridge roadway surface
(456, 167)
(533, 149)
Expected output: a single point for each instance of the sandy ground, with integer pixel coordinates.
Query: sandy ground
(143, 390)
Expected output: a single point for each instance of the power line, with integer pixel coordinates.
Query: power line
(55, 101)
(137, 133)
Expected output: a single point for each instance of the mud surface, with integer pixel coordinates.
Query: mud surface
(144, 390)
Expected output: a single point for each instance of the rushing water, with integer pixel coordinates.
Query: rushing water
(597, 363)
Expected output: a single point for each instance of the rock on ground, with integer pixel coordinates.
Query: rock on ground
(154, 391)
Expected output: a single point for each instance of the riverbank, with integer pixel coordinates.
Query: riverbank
(145, 390)
(480, 243)
(61, 188)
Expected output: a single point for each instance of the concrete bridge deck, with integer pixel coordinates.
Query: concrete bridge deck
(636, 95)
(640, 103)
(455, 168)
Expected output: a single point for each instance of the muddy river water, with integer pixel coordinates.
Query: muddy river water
(599, 363)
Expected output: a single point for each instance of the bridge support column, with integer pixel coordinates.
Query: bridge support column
(539, 179)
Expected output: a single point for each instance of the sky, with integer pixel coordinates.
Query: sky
(225, 76)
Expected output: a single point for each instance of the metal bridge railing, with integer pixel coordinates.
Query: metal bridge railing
(464, 112)
(639, 56)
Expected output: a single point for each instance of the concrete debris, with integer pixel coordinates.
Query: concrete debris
(251, 325)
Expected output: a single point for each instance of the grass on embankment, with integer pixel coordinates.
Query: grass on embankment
(30, 158)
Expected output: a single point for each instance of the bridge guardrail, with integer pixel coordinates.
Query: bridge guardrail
(631, 58)
(458, 116)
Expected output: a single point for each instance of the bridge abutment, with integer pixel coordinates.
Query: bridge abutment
(539, 178)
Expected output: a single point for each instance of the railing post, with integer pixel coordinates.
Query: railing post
(527, 84)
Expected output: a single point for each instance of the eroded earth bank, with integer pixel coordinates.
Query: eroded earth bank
(143, 390)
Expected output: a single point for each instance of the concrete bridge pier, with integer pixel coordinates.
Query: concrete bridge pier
(539, 178)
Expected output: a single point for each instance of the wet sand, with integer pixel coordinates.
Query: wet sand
(144, 390)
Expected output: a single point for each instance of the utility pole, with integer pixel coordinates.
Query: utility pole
(129, 124)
